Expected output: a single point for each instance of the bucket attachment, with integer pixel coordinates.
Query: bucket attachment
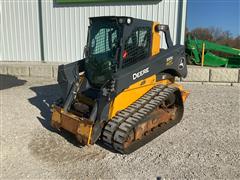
(79, 126)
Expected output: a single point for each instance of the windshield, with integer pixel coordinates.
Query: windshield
(103, 45)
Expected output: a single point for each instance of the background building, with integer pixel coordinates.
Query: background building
(44, 30)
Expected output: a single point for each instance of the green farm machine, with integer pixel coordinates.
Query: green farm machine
(205, 53)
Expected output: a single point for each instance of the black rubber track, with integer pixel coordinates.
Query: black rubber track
(121, 126)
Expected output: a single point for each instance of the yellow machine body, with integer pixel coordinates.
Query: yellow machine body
(84, 127)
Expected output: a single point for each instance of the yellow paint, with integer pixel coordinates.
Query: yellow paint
(164, 82)
(185, 94)
(135, 91)
(155, 40)
(203, 52)
(56, 116)
(89, 136)
(83, 129)
(130, 95)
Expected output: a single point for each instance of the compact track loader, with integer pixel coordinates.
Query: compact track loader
(123, 91)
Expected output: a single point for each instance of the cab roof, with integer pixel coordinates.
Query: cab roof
(106, 18)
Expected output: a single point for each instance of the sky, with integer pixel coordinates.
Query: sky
(224, 14)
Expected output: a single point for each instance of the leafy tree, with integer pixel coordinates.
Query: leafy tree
(216, 35)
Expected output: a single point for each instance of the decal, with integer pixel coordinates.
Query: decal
(169, 61)
(140, 73)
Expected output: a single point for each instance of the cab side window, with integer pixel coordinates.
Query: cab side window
(137, 46)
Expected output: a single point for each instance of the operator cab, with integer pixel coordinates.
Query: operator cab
(104, 36)
(115, 43)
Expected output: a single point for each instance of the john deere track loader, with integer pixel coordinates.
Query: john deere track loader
(123, 92)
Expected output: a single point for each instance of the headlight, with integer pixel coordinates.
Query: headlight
(129, 20)
(120, 20)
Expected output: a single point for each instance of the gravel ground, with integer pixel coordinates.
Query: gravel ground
(204, 145)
